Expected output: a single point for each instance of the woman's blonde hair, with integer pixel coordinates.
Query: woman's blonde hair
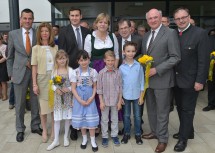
(60, 54)
(102, 16)
(51, 34)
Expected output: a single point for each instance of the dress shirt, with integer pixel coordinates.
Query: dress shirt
(132, 80)
(109, 85)
(75, 31)
(155, 34)
(123, 41)
(24, 36)
(100, 44)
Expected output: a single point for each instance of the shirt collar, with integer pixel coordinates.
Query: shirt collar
(24, 30)
(74, 28)
(106, 69)
(156, 30)
(185, 28)
(128, 39)
(135, 62)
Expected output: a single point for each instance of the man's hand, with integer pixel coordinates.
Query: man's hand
(198, 86)
(152, 72)
(102, 106)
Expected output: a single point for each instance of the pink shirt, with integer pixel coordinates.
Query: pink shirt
(109, 84)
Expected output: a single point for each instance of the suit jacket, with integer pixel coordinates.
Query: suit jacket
(17, 56)
(195, 50)
(67, 42)
(166, 53)
(134, 38)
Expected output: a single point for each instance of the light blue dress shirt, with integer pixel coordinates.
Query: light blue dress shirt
(132, 80)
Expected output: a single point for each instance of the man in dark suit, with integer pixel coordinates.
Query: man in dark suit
(162, 44)
(19, 69)
(124, 26)
(191, 73)
(68, 39)
(71, 39)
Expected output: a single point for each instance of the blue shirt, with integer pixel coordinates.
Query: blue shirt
(132, 80)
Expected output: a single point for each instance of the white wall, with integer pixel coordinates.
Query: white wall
(41, 9)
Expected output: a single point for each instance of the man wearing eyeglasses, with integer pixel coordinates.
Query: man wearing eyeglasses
(191, 74)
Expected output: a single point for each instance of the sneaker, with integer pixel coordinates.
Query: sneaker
(116, 141)
(138, 139)
(125, 139)
(104, 142)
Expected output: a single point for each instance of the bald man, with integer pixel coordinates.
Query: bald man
(163, 45)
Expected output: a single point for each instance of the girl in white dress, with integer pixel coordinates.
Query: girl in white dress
(62, 98)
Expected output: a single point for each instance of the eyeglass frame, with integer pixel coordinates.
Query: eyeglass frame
(182, 18)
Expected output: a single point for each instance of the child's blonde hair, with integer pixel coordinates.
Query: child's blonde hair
(60, 53)
(109, 53)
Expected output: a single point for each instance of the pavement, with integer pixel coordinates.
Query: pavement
(204, 124)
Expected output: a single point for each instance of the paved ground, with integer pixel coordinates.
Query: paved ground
(203, 143)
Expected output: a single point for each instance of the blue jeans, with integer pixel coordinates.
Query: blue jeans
(127, 115)
(12, 95)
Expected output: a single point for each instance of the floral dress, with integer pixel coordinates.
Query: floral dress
(63, 110)
(84, 116)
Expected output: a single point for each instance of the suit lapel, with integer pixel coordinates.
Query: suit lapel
(20, 39)
(145, 43)
(157, 38)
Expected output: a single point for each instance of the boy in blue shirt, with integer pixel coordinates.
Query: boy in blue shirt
(132, 86)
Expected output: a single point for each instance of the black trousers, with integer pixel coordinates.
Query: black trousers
(211, 93)
(186, 103)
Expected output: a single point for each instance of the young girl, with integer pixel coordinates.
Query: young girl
(85, 114)
(62, 109)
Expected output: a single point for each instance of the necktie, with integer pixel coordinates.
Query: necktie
(28, 43)
(180, 33)
(151, 40)
(78, 39)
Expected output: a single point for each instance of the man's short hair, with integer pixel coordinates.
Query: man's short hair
(27, 10)
(74, 9)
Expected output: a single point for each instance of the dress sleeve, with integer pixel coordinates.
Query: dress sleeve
(34, 56)
(87, 44)
(3, 51)
(73, 77)
(116, 46)
(95, 75)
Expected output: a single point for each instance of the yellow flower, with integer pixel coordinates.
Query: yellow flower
(58, 79)
(145, 59)
(213, 54)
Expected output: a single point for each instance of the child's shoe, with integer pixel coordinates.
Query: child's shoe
(138, 139)
(66, 142)
(125, 139)
(104, 142)
(53, 145)
(116, 141)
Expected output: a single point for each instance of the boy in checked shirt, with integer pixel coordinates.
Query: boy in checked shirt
(109, 89)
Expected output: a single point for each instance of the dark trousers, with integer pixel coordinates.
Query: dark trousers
(186, 103)
(211, 93)
(12, 95)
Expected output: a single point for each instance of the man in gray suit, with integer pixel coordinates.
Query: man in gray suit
(163, 45)
(19, 69)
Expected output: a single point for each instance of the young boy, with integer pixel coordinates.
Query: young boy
(132, 87)
(109, 89)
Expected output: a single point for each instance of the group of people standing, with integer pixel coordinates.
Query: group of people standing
(89, 64)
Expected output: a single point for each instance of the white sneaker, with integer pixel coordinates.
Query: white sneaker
(66, 142)
(52, 146)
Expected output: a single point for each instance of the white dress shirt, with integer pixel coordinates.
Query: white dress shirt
(24, 36)
(155, 34)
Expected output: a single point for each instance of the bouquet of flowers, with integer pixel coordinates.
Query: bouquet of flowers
(58, 81)
(212, 62)
(146, 61)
